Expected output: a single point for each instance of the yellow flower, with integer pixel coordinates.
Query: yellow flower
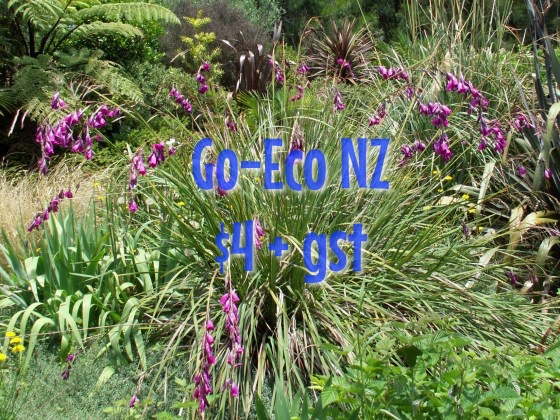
(426, 208)
(480, 228)
(15, 340)
(181, 203)
(3, 357)
(10, 334)
(440, 190)
(465, 196)
(472, 211)
(100, 198)
(448, 178)
(18, 349)
(96, 184)
(435, 172)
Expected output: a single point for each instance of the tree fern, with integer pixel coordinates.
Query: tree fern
(113, 28)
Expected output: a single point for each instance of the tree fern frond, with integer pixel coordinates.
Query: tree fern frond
(38, 12)
(132, 12)
(109, 76)
(8, 101)
(115, 28)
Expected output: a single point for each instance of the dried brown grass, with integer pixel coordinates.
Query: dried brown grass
(24, 193)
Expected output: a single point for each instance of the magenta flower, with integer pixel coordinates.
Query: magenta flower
(258, 234)
(441, 147)
(297, 95)
(279, 76)
(205, 66)
(522, 171)
(378, 117)
(200, 78)
(230, 124)
(133, 401)
(181, 100)
(419, 146)
(57, 102)
(203, 380)
(65, 374)
(132, 206)
(302, 69)
(547, 173)
(203, 89)
(338, 104)
(520, 122)
(138, 163)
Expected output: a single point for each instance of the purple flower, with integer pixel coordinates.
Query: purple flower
(409, 92)
(138, 163)
(338, 104)
(65, 374)
(205, 66)
(230, 124)
(441, 147)
(302, 69)
(520, 122)
(71, 357)
(132, 206)
(200, 78)
(57, 102)
(202, 380)
(522, 171)
(407, 152)
(203, 89)
(378, 117)
(133, 401)
(297, 95)
(419, 146)
(234, 390)
(279, 76)
(258, 235)
(512, 277)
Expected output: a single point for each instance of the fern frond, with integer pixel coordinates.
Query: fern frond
(105, 74)
(8, 101)
(137, 12)
(114, 28)
(38, 12)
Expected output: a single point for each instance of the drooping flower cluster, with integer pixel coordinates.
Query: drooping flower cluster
(492, 129)
(302, 69)
(408, 151)
(441, 147)
(229, 307)
(520, 122)
(201, 80)
(230, 124)
(42, 216)
(203, 379)
(298, 95)
(465, 87)
(338, 105)
(70, 362)
(57, 102)
(181, 100)
(258, 234)
(137, 167)
(438, 111)
(345, 69)
(378, 117)
(61, 133)
(393, 73)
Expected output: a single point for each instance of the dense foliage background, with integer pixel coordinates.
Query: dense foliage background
(111, 295)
